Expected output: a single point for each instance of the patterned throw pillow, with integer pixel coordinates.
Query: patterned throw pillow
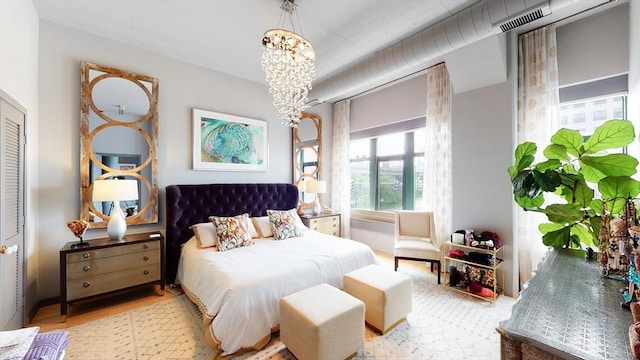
(232, 232)
(284, 224)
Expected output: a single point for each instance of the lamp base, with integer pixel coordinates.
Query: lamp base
(117, 225)
(317, 208)
(79, 244)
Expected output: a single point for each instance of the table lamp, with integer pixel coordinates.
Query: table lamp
(316, 187)
(115, 190)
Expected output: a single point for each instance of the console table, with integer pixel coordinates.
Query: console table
(567, 311)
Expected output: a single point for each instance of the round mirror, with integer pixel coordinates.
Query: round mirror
(118, 140)
(307, 154)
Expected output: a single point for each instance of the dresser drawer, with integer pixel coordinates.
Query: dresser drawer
(327, 225)
(98, 284)
(112, 251)
(78, 270)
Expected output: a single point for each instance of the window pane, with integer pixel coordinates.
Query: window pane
(360, 188)
(419, 140)
(588, 114)
(390, 185)
(392, 144)
(418, 177)
(359, 149)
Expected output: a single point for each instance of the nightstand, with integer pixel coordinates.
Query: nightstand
(106, 265)
(324, 223)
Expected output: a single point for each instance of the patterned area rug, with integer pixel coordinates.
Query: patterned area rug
(443, 325)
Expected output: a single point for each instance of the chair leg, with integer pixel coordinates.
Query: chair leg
(438, 272)
(432, 266)
(396, 261)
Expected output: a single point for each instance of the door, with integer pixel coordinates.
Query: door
(11, 215)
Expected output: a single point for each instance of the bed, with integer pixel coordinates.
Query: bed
(238, 290)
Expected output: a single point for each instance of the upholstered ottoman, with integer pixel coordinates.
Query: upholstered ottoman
(385, 293)
(322, 322)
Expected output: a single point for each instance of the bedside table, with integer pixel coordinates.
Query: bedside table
(106, 265)
(324, 223)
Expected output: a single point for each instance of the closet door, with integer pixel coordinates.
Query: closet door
(12, 215)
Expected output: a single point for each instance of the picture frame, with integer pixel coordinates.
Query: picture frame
(224, 142)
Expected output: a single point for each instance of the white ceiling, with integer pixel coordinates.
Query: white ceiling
(225, 35)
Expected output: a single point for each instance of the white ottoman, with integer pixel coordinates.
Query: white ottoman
(322, 322)
(386, 295)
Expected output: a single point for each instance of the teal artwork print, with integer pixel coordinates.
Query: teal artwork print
(230, 142)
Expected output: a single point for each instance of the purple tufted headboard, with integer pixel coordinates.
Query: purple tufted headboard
(192, 204)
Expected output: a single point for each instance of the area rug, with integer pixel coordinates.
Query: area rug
(443, 325)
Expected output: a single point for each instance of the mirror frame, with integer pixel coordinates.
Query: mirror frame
(298, 175)
(149, 212)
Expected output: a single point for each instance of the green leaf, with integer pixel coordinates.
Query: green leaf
(598, 167)
(549, 227)
(529, 204)
(616, 189)
(557, 238)
(548, 180)
(551, 164)
(584, 234)
(524, 184)
(610, 135)
(556, 151)
(596, 206)
(570, 139)
(583, 194)
(524, 156)
(563, 213)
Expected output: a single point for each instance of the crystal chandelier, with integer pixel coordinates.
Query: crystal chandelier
(288, 62)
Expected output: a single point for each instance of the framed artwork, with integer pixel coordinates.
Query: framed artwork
(226, 142)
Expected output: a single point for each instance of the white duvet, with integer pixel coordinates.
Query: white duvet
(240, 289)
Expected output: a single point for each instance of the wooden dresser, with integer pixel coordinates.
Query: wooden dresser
(106, 265)
(324, 223)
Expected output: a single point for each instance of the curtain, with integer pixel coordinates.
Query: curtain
(340, 169)
(537, 117)
(437, 184)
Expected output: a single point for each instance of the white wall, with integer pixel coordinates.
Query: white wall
(19, 79)
(181, 87)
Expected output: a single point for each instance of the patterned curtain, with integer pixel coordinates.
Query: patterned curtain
(437, 188)
(340, 169)
(537, 116)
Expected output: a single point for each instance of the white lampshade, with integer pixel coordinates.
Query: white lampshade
(111, 190)
(115, 190)
(316, 186)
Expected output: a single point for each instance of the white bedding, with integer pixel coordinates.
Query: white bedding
(240, 289)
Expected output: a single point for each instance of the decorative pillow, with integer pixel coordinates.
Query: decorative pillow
(232, 232)
(284, 224)
(205, 234)
(253, 232)
(262, 226)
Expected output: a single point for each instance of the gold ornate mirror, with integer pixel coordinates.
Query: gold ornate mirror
(307, 154)
(118, 140)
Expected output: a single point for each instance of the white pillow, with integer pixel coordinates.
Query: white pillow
(262, 226)
(205, 234)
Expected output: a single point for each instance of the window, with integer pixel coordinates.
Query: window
(593, 112)
(387, 167)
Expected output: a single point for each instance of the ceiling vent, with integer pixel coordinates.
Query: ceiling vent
(525, 19)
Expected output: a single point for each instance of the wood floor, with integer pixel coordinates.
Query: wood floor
(48, 317)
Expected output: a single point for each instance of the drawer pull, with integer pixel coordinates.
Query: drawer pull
(86, 255)
(146, 272)
(87, 284)
(145, 258)
(86, 268)
(145, 246)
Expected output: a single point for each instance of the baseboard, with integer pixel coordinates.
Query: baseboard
(41, 303)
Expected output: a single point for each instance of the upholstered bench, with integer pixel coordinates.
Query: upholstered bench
(386, 294)
(322, 322)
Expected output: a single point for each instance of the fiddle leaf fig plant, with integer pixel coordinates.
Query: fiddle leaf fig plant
(573, 169)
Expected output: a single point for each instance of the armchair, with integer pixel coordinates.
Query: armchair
(415, 238)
